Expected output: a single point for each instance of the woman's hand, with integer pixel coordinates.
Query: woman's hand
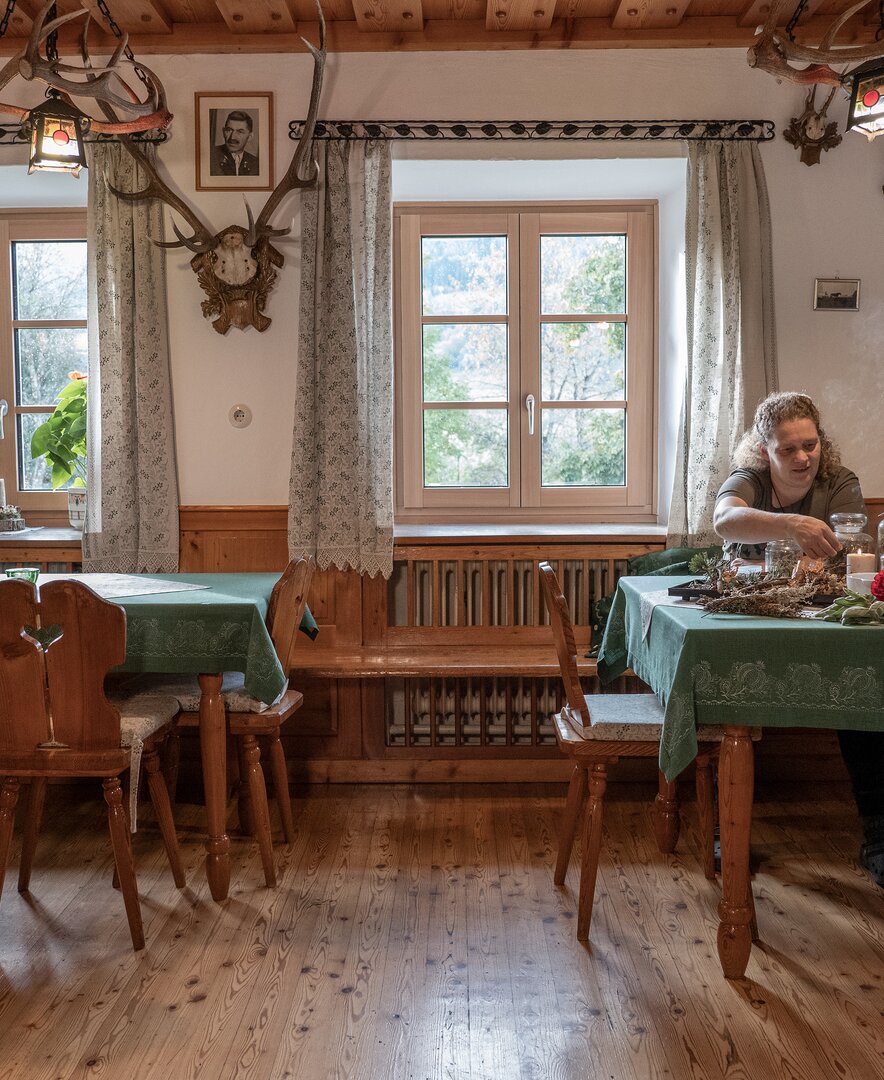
(813, 536)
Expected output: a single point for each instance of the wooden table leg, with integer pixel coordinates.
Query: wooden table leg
(213, 748)
(736, 775)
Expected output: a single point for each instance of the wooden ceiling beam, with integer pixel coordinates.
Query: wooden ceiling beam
(22, 20)
(256, 16)
(755, 14)
(519, 14)
(388, 16)
(133, 16)
(450, 35)
(648, 14)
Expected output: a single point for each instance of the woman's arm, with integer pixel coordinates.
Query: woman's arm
(735, 520)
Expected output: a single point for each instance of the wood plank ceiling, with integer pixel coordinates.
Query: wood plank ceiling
(228, 26)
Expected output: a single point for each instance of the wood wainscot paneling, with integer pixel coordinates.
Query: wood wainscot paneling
(413, 722)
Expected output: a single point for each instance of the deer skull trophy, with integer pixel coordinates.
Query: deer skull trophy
(809, 132)
(237, 266)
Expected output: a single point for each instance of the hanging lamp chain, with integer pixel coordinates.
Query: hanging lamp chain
(7, 15)
(52, 39)
(790, 25)
(118, 33)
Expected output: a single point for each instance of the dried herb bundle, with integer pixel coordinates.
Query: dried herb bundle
(775, 597)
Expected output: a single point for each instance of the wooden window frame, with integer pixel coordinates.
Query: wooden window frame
(523, 224)
(41, 507)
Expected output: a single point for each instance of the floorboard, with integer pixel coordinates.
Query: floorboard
(416, 933)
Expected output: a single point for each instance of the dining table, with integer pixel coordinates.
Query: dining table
(739, 672)
(203, 625)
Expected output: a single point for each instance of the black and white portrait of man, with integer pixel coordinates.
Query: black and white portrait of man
(234, 143)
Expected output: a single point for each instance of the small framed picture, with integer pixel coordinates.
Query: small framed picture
(234, 142)
(836, 294)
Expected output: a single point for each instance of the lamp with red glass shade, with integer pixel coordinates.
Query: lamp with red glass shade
(57, 129)
(867, 99)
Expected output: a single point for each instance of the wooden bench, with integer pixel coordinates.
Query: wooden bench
(454, 661)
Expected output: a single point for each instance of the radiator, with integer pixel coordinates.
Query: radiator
(487, 711)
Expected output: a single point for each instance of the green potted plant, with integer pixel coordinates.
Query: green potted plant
(61, 440)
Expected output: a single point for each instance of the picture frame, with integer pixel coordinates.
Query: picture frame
(234, 141)
(836, 294)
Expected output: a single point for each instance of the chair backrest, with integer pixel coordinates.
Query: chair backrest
(65, 675)
(563, 635)
(286, 608)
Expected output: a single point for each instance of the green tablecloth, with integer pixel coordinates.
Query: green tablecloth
(732, 669)
(220, 628)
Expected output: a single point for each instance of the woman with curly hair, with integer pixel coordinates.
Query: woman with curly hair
(787, 482)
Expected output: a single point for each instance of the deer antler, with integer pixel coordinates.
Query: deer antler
(773, 51)
(292, 178)
(156, 188)
(30, 64)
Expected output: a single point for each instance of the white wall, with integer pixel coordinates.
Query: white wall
(828, 220)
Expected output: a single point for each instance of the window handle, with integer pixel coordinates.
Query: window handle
(529, 405)
(4, 409)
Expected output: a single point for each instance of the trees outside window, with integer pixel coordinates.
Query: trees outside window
(43, 337)
(525, 361)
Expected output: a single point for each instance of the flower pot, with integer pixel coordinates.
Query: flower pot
(77, 508)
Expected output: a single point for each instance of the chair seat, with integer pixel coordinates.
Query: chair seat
(143, 713)
(186, 691)
(627, 718)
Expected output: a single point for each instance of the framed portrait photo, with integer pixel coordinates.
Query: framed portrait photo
(234, 142)
(836, 294)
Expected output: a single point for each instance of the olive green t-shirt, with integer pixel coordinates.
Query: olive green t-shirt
(840, 494)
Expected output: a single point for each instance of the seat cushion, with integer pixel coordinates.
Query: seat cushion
(142, 713)
(630, 718)
(619, 718)
(186, 690)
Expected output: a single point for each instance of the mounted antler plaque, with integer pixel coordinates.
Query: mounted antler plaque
(237, 267)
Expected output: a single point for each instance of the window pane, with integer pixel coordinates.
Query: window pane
(43, 359)
(465, 447)
(583, 447)
(583, 361)
(465, 362)
(49, 279)
(463, 275)
(32, 475)
(583, 275)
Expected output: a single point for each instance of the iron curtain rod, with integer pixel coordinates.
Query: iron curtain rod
(11, 135)
(569, 131)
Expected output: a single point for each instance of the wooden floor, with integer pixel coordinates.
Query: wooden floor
(416, 934)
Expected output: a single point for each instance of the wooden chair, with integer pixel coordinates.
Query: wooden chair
(248, 719)
(56, 722)
(595, 731)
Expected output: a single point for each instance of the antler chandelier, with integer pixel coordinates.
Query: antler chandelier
(56, 127)
(775, 50)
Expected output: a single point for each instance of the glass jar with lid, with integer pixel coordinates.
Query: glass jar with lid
(781, 557)
(849, 530)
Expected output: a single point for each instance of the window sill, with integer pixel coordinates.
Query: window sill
(563, 533)
(44, 537)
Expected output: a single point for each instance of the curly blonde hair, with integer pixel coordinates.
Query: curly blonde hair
(778, 409)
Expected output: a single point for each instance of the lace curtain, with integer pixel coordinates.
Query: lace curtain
(731, 360)
(341, 488)
(132, 507)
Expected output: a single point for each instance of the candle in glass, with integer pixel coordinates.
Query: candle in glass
(860, 562)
